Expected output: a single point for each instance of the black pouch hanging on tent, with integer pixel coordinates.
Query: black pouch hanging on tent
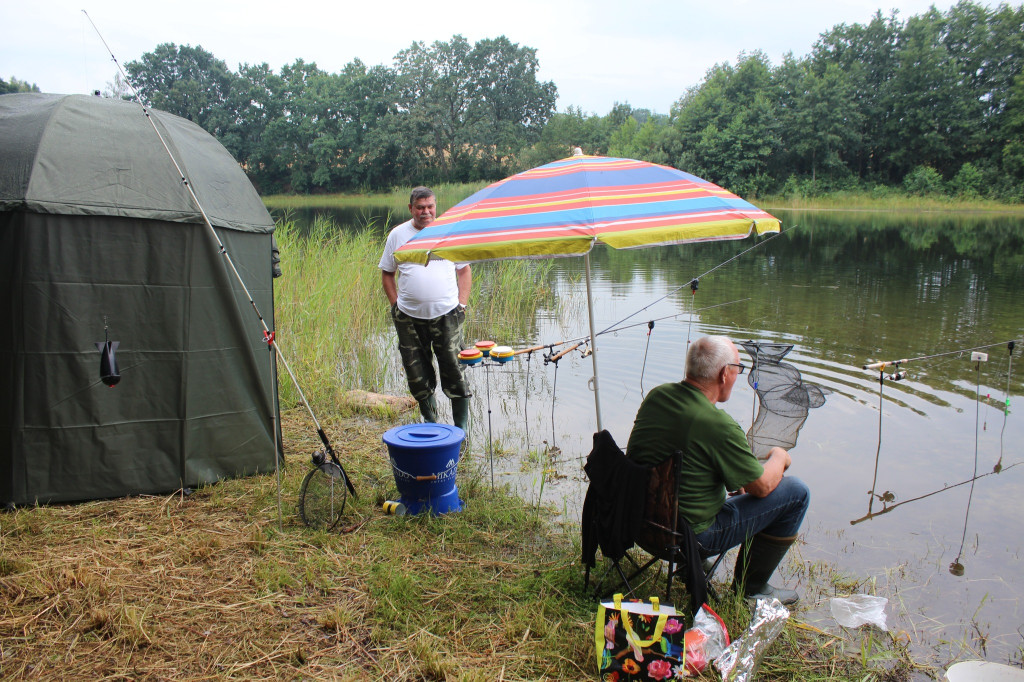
(109, 374)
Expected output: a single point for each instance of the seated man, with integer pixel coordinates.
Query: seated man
(765, 508)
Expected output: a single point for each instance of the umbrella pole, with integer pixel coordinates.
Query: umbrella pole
(593, 341)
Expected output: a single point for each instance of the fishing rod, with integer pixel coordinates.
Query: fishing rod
(884, 364)
(268, 335)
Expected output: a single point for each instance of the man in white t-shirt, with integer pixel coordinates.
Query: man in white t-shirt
(428, 307)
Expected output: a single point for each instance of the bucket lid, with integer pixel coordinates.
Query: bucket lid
(424, 435)
(470, 354)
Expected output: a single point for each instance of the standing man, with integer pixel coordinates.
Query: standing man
(764, 509)
(428, 307)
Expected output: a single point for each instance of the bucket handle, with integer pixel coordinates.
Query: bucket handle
(431, 477)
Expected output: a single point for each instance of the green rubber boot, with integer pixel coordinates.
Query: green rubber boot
(428, 408)
(757, 560)
(460, 413)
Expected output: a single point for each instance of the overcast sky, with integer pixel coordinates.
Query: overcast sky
(598, 52)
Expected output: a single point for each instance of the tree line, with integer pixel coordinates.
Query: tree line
(447, 112)
(932, 104)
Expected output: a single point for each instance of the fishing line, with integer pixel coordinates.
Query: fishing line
(669, 317)
(1006, 407)
(956, 567)
(756, 371)
(268, 335)
(692, 283)
(896, 376)
(643, 367)
(949, 486)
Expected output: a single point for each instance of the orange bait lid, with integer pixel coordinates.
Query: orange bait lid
(470, 356)
(485, 346)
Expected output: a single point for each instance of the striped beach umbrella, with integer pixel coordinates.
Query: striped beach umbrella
(566, 207)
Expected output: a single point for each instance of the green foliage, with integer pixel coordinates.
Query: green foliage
(187, 81)
(968, 182)
(923, 181)
(15, 85)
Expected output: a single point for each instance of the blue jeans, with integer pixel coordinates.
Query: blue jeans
(744, 516)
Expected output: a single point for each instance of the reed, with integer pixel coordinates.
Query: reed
(333, 320)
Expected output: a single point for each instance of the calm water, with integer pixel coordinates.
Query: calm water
(845, 289)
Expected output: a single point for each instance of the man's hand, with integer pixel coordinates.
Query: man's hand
(778, 461)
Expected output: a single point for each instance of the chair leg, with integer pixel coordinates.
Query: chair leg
(711, 572)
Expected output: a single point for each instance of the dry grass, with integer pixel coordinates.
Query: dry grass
(207, 586)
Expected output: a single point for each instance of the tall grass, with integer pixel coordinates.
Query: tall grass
(332, 317)
(333, 320)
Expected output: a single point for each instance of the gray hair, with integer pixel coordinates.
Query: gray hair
(420, 192)
(707, 356)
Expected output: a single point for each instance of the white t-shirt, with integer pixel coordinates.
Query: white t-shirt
(424, 291)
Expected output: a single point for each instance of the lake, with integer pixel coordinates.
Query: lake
(917, 485)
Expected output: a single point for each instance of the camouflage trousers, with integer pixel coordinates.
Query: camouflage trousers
(440, 337)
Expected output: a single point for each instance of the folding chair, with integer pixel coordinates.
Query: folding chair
(614, 519)
(669, 538)
(612, 509)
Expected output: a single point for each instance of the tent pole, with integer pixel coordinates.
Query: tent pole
(593, 341)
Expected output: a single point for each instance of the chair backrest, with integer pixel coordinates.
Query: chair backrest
(659, 532)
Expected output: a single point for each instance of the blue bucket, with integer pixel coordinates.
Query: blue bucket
(424, 458)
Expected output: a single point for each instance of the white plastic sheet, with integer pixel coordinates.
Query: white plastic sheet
(859, 609)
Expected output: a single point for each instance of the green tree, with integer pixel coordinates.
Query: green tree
(930, 117)
(255, 101)
(728, 127)
(15, 85)
(508, 103)
(1012, 157)
(435, 86)
(827, 122)
(866, 54)
(187, 81)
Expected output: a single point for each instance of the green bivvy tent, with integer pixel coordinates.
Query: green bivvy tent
(98, 232)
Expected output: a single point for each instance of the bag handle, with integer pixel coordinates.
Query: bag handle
(631, 636)
(655, 602)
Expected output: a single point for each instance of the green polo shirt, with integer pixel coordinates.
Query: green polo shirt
(716, 455)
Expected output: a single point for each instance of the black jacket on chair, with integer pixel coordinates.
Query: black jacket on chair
(613, 509)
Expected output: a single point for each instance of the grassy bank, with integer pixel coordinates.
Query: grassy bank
(207, 586)
(862, 201)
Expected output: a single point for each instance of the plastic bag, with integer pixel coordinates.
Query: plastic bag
(859, 609)
(705, 640)
(740, 660)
